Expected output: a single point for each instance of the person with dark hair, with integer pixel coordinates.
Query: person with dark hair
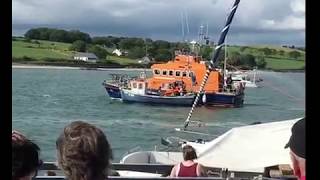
(229, 82)
(84, 152)
(25, 157)
(297, 149)
(188, 168)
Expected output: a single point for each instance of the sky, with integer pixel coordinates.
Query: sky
(274, 22)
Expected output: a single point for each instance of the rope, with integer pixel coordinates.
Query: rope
(213, 60)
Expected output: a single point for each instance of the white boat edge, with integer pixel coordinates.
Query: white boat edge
(215, 152)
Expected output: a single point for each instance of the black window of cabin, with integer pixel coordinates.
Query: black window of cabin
(157, 71)
(184, 74)
(164, 72)
(170, 73)
(178, 73)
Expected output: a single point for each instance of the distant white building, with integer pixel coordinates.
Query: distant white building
(117, 52)
(88, 57)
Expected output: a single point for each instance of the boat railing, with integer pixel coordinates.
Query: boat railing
(132, 150)
(119, 77)
(121, 80)
(50, 171)
(153, 178)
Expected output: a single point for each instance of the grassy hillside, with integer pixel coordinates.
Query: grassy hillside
(279, 60)
(257, 50)
(45, 49)
(48, 51)
(282, 64)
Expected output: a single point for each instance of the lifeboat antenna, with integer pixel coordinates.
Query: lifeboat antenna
(187, 23)
(213, 61)
(182, 27)
(201, 34)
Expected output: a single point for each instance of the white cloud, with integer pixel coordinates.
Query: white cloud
(288, 23)
(298, 6)
(161, 17)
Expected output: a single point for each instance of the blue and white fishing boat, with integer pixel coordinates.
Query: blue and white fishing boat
(113, 86)
(138, 92)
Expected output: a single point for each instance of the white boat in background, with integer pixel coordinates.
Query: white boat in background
(248, 148)
(243, 77)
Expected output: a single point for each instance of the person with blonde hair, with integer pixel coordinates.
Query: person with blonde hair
(84, 152)
(297, 149)
(188, 168)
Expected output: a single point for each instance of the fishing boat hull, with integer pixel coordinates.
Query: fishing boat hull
(127, 96)
(112, 90)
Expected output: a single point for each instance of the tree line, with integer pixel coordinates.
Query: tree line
(58, 35)
(159, 50)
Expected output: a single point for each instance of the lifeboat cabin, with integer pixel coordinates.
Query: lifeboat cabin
(188, 69)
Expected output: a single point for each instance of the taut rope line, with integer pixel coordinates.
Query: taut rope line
(213, 60)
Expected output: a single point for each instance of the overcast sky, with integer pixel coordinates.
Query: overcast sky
(255, 22)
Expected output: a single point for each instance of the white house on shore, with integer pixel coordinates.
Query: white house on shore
(87, 57)
(117, 52)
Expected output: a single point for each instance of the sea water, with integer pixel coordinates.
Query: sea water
(46, 100)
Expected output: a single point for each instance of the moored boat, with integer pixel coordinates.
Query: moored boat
(186, 69)
(243, 77)
(197, 76)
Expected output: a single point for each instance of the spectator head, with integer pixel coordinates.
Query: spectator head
(25, 157)
(297, 148)
(189, 153)
(83, 152)
(297, 139)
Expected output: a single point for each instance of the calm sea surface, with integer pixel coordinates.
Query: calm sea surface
(45, 100)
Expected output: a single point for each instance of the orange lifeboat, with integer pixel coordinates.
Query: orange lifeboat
(188, 69)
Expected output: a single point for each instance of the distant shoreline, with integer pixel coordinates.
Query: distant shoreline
(26, 66)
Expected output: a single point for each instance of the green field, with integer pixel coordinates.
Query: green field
(46, 49)
(41, 50)
(256, 51)
(282, 64)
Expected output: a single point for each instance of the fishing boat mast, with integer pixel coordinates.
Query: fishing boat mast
(145, 60)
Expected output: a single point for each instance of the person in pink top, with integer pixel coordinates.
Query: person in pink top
(188, 168)
(297, 149)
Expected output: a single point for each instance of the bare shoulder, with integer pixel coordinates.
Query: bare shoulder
(201, 170)
(173, 171)
(200, 166)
